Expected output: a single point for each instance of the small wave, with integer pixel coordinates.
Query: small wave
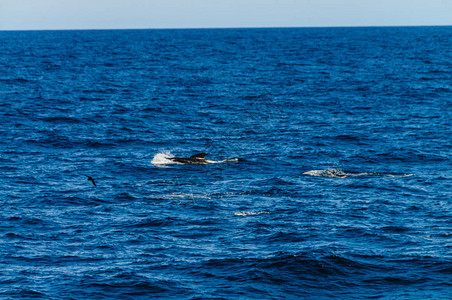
(153, 222)
(62, 119)
(338, 173)
(186, 195)
(15, 80)
(28, 293)
(124, 196)
(250, 213)
(98, 144)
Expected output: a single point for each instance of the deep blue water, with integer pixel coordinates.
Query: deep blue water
(337, 181)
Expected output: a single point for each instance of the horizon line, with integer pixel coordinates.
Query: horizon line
(232, 27)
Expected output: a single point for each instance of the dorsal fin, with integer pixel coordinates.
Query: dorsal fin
(199, 155)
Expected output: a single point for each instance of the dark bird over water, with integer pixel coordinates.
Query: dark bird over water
(91, 179)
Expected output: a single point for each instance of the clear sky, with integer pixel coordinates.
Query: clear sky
(112, 14)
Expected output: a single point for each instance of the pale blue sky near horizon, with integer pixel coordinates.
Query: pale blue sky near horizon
(130, 14)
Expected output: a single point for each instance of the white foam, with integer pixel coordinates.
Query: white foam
(399, 175)
(231, 160)
(338, 173)
(249, 213)
(162, 158)
(334, 173)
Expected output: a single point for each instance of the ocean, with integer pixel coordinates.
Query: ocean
(330, 173)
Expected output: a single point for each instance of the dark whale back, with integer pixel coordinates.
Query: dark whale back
(197, 156)
(194, 159)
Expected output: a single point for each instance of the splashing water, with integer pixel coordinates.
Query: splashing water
(162, 159)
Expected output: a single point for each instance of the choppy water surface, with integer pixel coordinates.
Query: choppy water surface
(334, 173)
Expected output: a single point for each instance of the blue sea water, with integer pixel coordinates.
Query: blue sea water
(335, 178)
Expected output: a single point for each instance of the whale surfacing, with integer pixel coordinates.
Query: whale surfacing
(197, 159)
(165, 158)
